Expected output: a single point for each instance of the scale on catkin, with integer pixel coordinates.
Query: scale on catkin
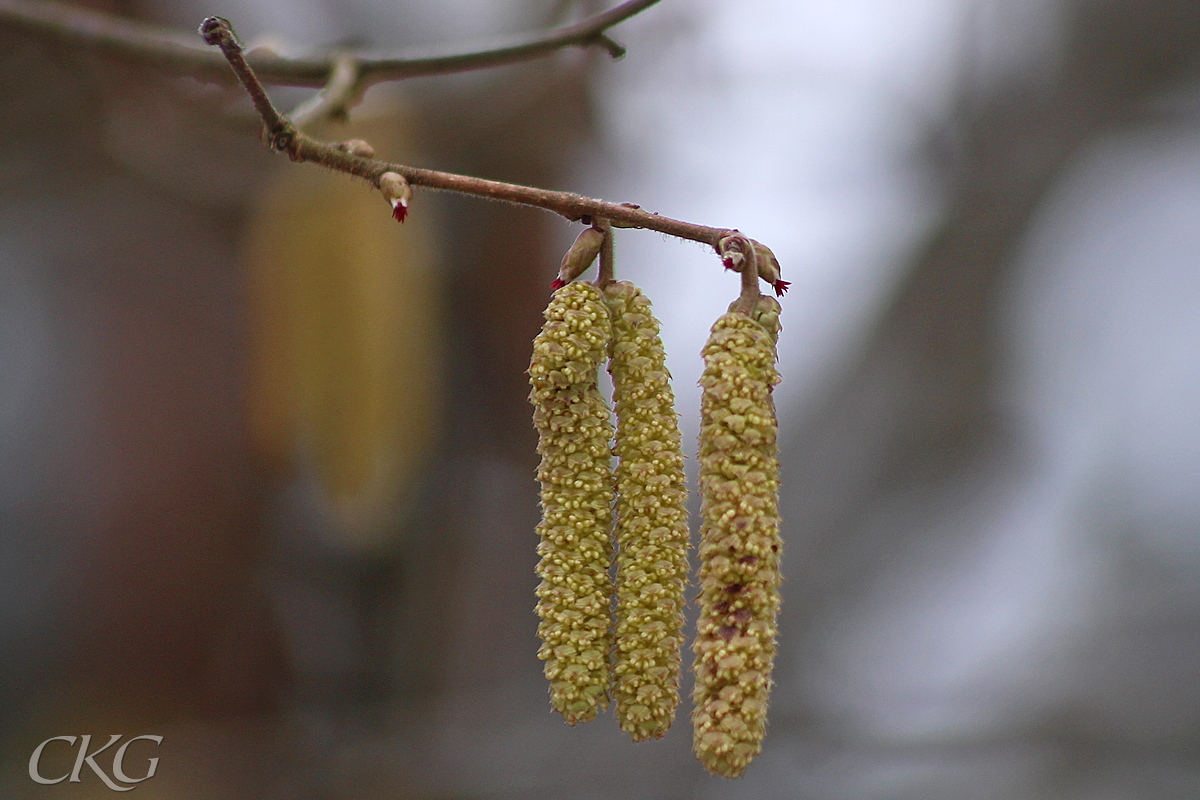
(575, 442)
(740, 545)
(651, 527)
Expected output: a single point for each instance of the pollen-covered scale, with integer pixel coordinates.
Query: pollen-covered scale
(651, 525)
(575, 441)
(740, 545)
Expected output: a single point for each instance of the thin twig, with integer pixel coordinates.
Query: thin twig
(177, 52)
(336, 99)
(614, 48)
(748, 300)
(607, 271)
(217, 31)
(571, 206)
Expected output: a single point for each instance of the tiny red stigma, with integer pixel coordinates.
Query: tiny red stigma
(399, 211)
(557, 284)
(781, 287)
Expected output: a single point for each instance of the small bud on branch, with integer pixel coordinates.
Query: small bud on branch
(581, 255)
(735, 250)
(357, 147)
(768, 268)
(397, 191)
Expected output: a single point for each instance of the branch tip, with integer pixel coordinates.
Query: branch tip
(615, 49)
(217, 31)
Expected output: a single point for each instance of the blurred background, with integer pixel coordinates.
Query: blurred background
(266, 461)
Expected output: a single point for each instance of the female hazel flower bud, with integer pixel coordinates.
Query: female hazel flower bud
(651, 530)
(581, 255)
(397, 191)
(574, 439)
(732, 248)
(736, 250)
(768, 268)
(740, 544)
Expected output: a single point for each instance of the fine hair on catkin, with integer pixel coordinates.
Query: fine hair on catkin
(739, 539)
(651, 520)
(575, 442)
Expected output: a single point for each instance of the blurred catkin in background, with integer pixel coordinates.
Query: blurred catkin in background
(346, 316)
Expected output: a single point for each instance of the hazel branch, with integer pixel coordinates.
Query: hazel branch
(357, 158)
(177, 52)
(566, 204)
(284, 136)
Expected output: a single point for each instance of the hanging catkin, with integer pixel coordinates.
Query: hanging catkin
(575, 434)
(651, 528)
(740, 546)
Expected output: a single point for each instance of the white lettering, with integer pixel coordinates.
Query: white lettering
(119, 761)
(90, 760)
(37, 755)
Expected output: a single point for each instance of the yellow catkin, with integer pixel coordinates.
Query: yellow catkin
(651, 528)
(575, 433)
(740, 546)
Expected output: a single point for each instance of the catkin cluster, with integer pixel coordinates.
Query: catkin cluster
(575, 435)
(623, 639)
(740, 544)
(651, 520)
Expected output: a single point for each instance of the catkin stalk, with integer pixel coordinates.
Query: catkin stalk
(651, 526)
(575, 433)
(740, 545)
